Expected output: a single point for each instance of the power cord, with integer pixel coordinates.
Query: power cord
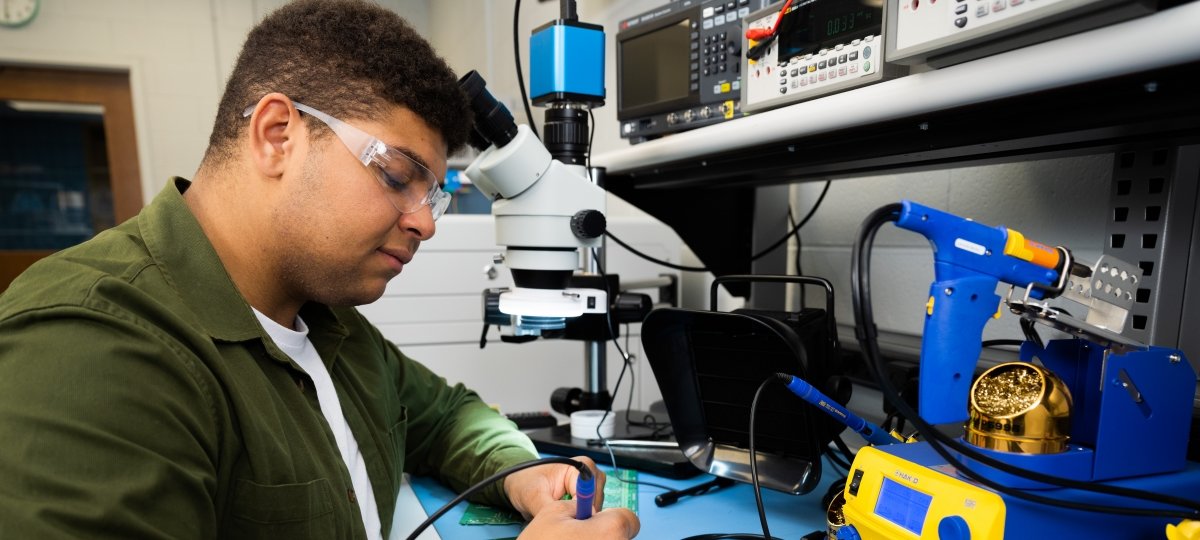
(585, 474)
(1031, 333)
(867, 335)
(625, 366)
(520, 76)
(782, 240)
(809, 424)
(660, 262)
(795, 231)
(1002, 342)
(591, 137)
(762, 514)
(837, 460)
(648, 421)
(799, 247)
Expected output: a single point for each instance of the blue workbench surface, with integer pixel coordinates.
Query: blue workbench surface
(729, 510)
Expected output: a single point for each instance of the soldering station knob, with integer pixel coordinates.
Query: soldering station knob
(1021, 408)
(588, 224)
(954, 528)
(848, 532)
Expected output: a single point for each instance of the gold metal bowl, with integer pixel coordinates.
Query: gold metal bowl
(834, 518)
(1021, 408)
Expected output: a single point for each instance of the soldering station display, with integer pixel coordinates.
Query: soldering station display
(903, 505)
(808, 49)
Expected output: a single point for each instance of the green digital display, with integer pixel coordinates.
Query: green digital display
(820, 24)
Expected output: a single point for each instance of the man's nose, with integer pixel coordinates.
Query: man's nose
(420, 223)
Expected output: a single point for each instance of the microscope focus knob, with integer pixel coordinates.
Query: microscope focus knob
(588, 224)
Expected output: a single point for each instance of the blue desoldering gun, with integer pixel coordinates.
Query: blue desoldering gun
(970, 259)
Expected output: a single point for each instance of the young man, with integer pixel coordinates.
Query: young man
(200, 371)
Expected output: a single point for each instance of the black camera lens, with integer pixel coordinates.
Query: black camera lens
(493, 122)
(566, 134)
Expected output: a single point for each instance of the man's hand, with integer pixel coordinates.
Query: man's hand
(557, 521)
(537, 492)
(532, 489)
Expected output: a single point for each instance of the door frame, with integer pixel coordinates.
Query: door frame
(110, 88)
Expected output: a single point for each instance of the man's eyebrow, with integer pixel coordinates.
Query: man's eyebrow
(413, 156)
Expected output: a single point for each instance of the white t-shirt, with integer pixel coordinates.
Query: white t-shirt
(295, 343)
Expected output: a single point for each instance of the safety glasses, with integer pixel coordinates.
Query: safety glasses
(407, 184)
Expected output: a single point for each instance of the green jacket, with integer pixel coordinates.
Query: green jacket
(140, 398)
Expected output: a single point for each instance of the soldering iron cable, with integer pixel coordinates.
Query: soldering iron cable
(867, 335)
(871, 432)
(585, 489)
(626, 364)
(802, 389)
(517, 59)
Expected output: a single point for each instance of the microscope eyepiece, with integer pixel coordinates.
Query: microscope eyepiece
(493, 122)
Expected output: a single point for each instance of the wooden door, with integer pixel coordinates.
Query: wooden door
(68, 160)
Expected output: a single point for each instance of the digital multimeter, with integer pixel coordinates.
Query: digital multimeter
(944, 32)
(820, 47)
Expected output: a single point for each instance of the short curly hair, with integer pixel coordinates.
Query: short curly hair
(349, 58)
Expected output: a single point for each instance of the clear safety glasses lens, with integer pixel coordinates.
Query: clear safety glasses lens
(407, 184)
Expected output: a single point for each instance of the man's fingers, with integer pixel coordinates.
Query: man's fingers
(598, 503)
(565, 508)
(621, 519)
(557, 521)
(598, 500)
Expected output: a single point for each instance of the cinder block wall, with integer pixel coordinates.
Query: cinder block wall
(1061, 201)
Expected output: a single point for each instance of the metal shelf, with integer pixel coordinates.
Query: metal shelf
(1084, 85)
(1096, 91)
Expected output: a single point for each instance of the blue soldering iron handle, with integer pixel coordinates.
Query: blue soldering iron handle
(871, 432)
(585, 493)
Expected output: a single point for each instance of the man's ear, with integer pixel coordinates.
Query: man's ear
(275, 134)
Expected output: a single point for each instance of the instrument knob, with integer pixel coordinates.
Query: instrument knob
(588, 224)
(848, 532)
(954, 528)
